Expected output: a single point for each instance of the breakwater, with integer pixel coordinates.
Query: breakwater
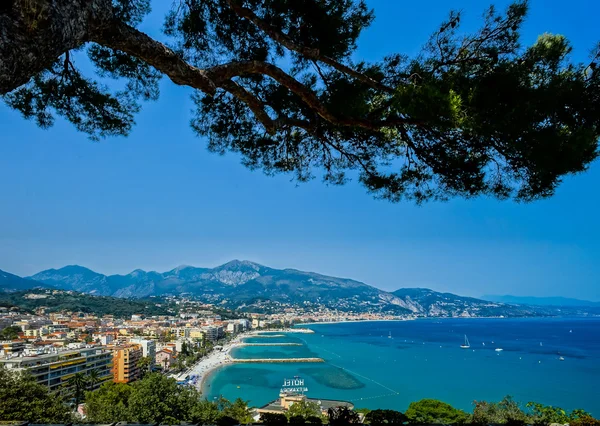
(276, 360)
(267, 336)
(270, 344)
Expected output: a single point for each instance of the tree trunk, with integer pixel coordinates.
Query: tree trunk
(35, 33)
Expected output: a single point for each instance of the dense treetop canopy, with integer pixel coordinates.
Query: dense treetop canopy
(278, 82)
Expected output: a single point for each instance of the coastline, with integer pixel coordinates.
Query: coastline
(222, 358)
(216, 359)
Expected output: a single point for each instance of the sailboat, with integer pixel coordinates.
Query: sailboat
(466, 345)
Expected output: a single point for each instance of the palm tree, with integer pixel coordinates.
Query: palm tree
(93, 377)
(78, 381)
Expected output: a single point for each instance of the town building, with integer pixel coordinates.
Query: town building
(148, 348)
(212, 333)
(10, 348)
(54, 370)
(125, 363)
(285, 401)
(165, 358)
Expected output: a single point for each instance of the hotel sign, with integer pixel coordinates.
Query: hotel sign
(292, 386)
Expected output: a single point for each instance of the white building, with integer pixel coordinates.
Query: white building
(148, 347)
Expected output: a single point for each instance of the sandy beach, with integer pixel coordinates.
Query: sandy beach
(217, 358)
(220, 358)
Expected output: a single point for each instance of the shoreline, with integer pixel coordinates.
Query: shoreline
(216, 359)
(221, 358)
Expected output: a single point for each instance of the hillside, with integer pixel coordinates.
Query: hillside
(254, 288)
(11, 282)
(232, 284)
(58, 300)
(426, 302)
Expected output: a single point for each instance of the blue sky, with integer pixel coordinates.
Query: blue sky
(158, 199)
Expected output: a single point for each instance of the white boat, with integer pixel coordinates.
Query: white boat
(498, 349)
(562, 358)
(466, 345)
(390, 335)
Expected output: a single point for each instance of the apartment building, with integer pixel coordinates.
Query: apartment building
(55, 369)
(148, 347)
(213, 333)
(125, 363)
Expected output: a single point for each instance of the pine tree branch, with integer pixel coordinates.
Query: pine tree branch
(308, 52)
(123, 37)
(120, 36)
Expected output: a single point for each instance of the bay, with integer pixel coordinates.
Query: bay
(423, 359)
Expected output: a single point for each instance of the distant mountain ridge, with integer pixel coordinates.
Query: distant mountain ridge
(247, 285)
(13, 282)
(540, 301)
(236, 283)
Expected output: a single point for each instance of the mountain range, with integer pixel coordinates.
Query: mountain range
(13, 282)
(248, 285)
(541, 301)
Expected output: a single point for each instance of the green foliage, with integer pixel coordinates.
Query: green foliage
(342, 416)
(297, 420)
(22, 399)
(78, 382)
(273, 419)
(10, 333)
(506, 411)
(385, 417)
(237, 409)
(145, 365)
(109, 403)
(158, 399)
(227, 421)
(304, 409)
(74, 302)
(83, 102)
(432, 411)
(314, 420)
(93, 377)
(586, 420)
(545, 414)
(473, 114)
(205, 412)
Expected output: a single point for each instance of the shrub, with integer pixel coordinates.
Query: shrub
(273, 419)
(342, 416)
(314, 420)
(432, 411)
(385, 417)
(506, 412)
(297, 420)
(227, 421)
(585, 420)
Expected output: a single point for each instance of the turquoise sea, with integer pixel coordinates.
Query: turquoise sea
(423, 359)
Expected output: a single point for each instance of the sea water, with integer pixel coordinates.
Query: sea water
(423, 359)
